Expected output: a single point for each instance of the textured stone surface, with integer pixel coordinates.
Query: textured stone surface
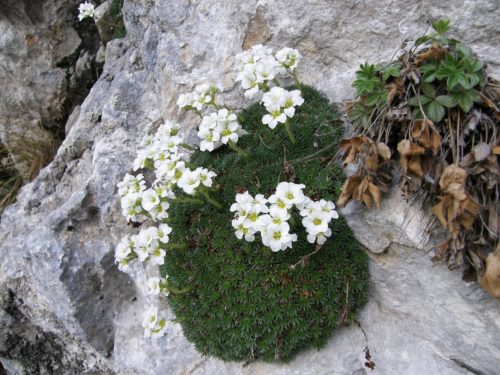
(46, 63)
(59, 286)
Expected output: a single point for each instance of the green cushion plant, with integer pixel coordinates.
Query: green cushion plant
(240, 300)
(304, 276)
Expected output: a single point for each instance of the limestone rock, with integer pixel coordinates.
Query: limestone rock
(60, 288)
(104, 21)
(39, 46)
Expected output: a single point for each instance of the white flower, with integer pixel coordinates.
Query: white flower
(143, 157)
(274, 117)
(160, 329)
(276, 97)
(243, 231)
(290, 193)
(209, 139)
(260, 202)
(175, 171)
(206, 176)
(167, 129)
(163, 189)
(131, 184)
(266, 69)
(253, 220)
(157, 254)
(288, 58)
(248, 82)
(189, 181)
(277, 236)
(277, 200)
(147, 236)
(184, 101)
(293, 99)
(160, 211)
(150, 199)
(153, 286)
(163, 231)
(316, 222)
(320, 238)
(279, 214)
(227, 126)
(150, 317)
(131, 206)
(123, 249)
(147, 141)
(124, 265)
(280, 104)
(85, 10)
(327, 207)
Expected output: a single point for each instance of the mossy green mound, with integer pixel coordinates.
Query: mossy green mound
(243, 301)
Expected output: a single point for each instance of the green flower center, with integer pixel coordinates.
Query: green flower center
(253, 216)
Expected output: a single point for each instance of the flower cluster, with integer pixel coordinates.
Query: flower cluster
(85, 10)
(148, 244)
(258, 68)
(216, 128)
(161, 154)
(154, 323)
(259, 71)
(280, 104)
(203, 95)
(270, 216)
(219, 128)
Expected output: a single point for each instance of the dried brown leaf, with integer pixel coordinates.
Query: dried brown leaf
(440, 210)
(452, 174)
(395, 89)
(371, 160)
(435, 52)
(426, 134)
(348, 190)
(383, 151)
(352, 147)
(409, 184)
(490, 281)
(376, 194)
(410, 157)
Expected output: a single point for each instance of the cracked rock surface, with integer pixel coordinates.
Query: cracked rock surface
(64, 306)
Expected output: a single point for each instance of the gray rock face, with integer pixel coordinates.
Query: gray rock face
(65, 306)
(45, 67)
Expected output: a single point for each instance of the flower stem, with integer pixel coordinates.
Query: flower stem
(188, 147)
(209, 199)
(297, 82)
(115, 25)
(289, 132)
(188, 200)
(239, 150)
(175, 246)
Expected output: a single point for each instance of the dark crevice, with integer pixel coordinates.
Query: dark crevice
(469, 368)
(81, 71)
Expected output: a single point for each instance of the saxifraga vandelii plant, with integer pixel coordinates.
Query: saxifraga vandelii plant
(238, 300)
